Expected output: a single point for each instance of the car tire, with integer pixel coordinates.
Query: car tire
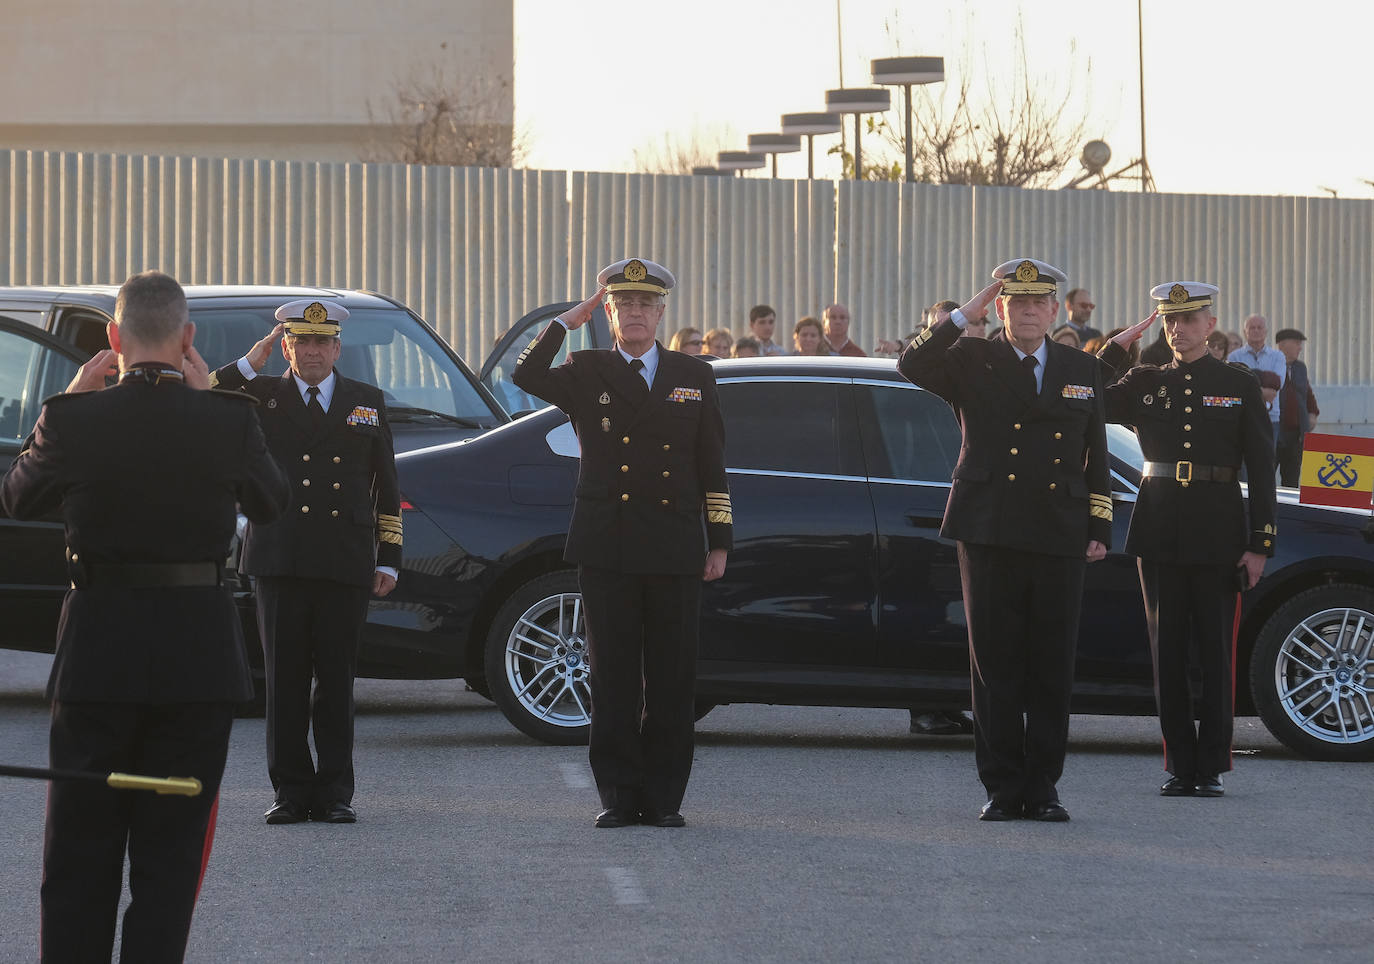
(1312, 673)
(536, 660)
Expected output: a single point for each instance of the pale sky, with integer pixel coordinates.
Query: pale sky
(1240, 97)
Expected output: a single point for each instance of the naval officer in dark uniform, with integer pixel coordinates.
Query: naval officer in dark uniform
(1199, 420)
(653, 466)
(150, 658)
(1029, 506)
(338, 543)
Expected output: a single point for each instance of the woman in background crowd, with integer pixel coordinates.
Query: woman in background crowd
(808, 338)
(719, 342)
(687, 341)
(1218, 345)
(1067, 336)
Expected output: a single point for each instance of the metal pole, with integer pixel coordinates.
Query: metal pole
(775, 166)
(858, 153)
(810, 157)
(910, 174)
(1146, 181)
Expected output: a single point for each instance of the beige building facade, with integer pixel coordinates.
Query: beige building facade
(282, 79)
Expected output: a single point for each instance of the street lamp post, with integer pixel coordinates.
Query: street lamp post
(774, 144)
(857, 101)
(810, 125)
(904, 72)
(740, 161)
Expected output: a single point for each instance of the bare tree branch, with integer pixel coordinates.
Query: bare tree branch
(432, 119)
(678, 153)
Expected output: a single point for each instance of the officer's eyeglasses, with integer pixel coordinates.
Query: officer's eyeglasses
(644, 303)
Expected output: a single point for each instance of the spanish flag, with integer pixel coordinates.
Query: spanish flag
(1337, 470)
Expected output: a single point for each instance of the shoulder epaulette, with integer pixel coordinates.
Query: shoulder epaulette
(233, 393)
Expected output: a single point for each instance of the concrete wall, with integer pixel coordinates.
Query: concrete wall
(237, 78)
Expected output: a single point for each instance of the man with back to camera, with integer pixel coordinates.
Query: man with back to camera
(1198, 420)
(315, 569)
(150, 658)
(652, 444)
(1029, 506)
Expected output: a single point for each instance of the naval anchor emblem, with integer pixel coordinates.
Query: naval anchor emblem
(1338, 475)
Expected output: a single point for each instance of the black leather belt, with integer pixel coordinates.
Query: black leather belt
(1190, 472)
(151, 575)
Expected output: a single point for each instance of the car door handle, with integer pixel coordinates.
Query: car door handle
(924, 520)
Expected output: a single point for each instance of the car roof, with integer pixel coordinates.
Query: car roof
(103, 296)
(799, 366)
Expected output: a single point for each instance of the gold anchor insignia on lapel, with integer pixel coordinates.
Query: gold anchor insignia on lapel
(605, 398)
(605, 425)
(271, 403)
(1148, 399)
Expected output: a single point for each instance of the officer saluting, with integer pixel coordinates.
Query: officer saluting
(1198, 421)
(1029, 506)
(150, 658)
(339, 541)
(653, 460)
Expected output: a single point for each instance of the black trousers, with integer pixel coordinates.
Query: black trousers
(1186, 605)
(310, 630)
(1288, 450)
(642, 638)
(1022, 610)
(90, 827)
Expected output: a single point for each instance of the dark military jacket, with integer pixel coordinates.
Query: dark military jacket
(652, 458)
(1032, 470)
(147, 474)
(344, 519)
(1206, 413)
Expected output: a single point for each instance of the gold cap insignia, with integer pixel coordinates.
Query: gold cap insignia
(316, 314)
(1025, 271)
(635, 271)
(1178, 294)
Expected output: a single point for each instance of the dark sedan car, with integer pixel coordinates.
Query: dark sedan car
(840, 590)
(46, 333)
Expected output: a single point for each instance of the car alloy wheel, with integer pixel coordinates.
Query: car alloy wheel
(1313, 673)
(537, 660)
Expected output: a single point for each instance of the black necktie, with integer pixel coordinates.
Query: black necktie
(313, 406)
(1029, 363)
(637, 366)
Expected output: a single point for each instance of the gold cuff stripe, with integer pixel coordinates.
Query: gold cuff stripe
(1100, 512)
(392, 538)
(1102, 499)
(720, 502)
(388, 523)
(214, 379)
(387, 517)
(721, 516)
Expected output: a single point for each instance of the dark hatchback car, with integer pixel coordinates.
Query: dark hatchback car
(840, 590)
(46, 333)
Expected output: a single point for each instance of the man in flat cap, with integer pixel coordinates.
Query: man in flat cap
(1199, 420)
(1029, 507)
(1298, 409)
(338, 544)
(150, 662)
(653, 467)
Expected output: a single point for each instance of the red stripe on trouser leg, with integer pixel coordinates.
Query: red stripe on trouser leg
(1235, 635)
(209, 843)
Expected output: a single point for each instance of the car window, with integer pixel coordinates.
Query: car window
(788, 427)
(512, 398)
(1122, 443)
(29, 373)
(381, 346)
(907, 434)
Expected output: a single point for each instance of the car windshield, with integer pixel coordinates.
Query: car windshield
(381, 346)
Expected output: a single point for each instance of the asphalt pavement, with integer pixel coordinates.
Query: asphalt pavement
(814, 834)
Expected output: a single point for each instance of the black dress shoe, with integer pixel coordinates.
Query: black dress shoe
(617, 817)
(658, 818)
(1178, 787)
(934, 724)
(995, 812)
(336, 812)
(1052, 811)
(1209, 787)
(286, 811)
